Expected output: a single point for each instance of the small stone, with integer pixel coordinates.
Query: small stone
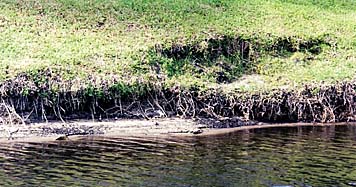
(197, 131)
(61, 138)
(27, 121)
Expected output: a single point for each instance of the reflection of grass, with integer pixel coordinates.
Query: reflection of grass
(104, 38)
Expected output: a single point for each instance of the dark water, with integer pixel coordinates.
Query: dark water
(303, 156)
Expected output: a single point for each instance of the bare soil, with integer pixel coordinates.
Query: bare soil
(57, 131)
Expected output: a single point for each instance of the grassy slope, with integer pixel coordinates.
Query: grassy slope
(107, 38)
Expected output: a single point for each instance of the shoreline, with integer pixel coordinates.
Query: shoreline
(267, 125)
(167, 127)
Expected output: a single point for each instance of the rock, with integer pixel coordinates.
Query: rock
(197, 131)
(61, 138)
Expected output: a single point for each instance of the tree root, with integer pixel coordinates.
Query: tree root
(316, 103)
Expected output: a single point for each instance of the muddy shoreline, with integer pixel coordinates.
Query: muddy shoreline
(156, 111)
(59, 130)
(172, 127)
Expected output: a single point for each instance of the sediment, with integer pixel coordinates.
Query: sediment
(123, 128)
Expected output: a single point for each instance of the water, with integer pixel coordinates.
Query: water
(303, 156)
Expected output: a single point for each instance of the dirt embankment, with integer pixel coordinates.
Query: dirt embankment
(44, 95)
(327, 104)
(332, 103)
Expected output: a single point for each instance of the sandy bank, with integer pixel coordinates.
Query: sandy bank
(53, 130)
(39, 132)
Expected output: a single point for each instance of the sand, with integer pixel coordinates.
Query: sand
(38, 132)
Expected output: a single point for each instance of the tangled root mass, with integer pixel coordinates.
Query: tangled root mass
(23, 98)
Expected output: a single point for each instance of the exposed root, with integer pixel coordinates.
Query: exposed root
(8, 115)
(333, 103)
(10, 119)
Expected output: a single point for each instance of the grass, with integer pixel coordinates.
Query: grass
(131, 40)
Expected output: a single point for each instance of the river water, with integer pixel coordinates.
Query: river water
(293, 156)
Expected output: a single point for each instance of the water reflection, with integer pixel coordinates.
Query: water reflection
(301, 156)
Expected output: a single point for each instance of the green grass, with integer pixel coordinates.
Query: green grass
(117, 38)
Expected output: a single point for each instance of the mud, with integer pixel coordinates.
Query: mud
(57, 130)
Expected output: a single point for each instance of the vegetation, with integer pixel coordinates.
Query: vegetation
(136, 46)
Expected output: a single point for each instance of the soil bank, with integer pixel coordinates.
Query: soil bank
(172, 127)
